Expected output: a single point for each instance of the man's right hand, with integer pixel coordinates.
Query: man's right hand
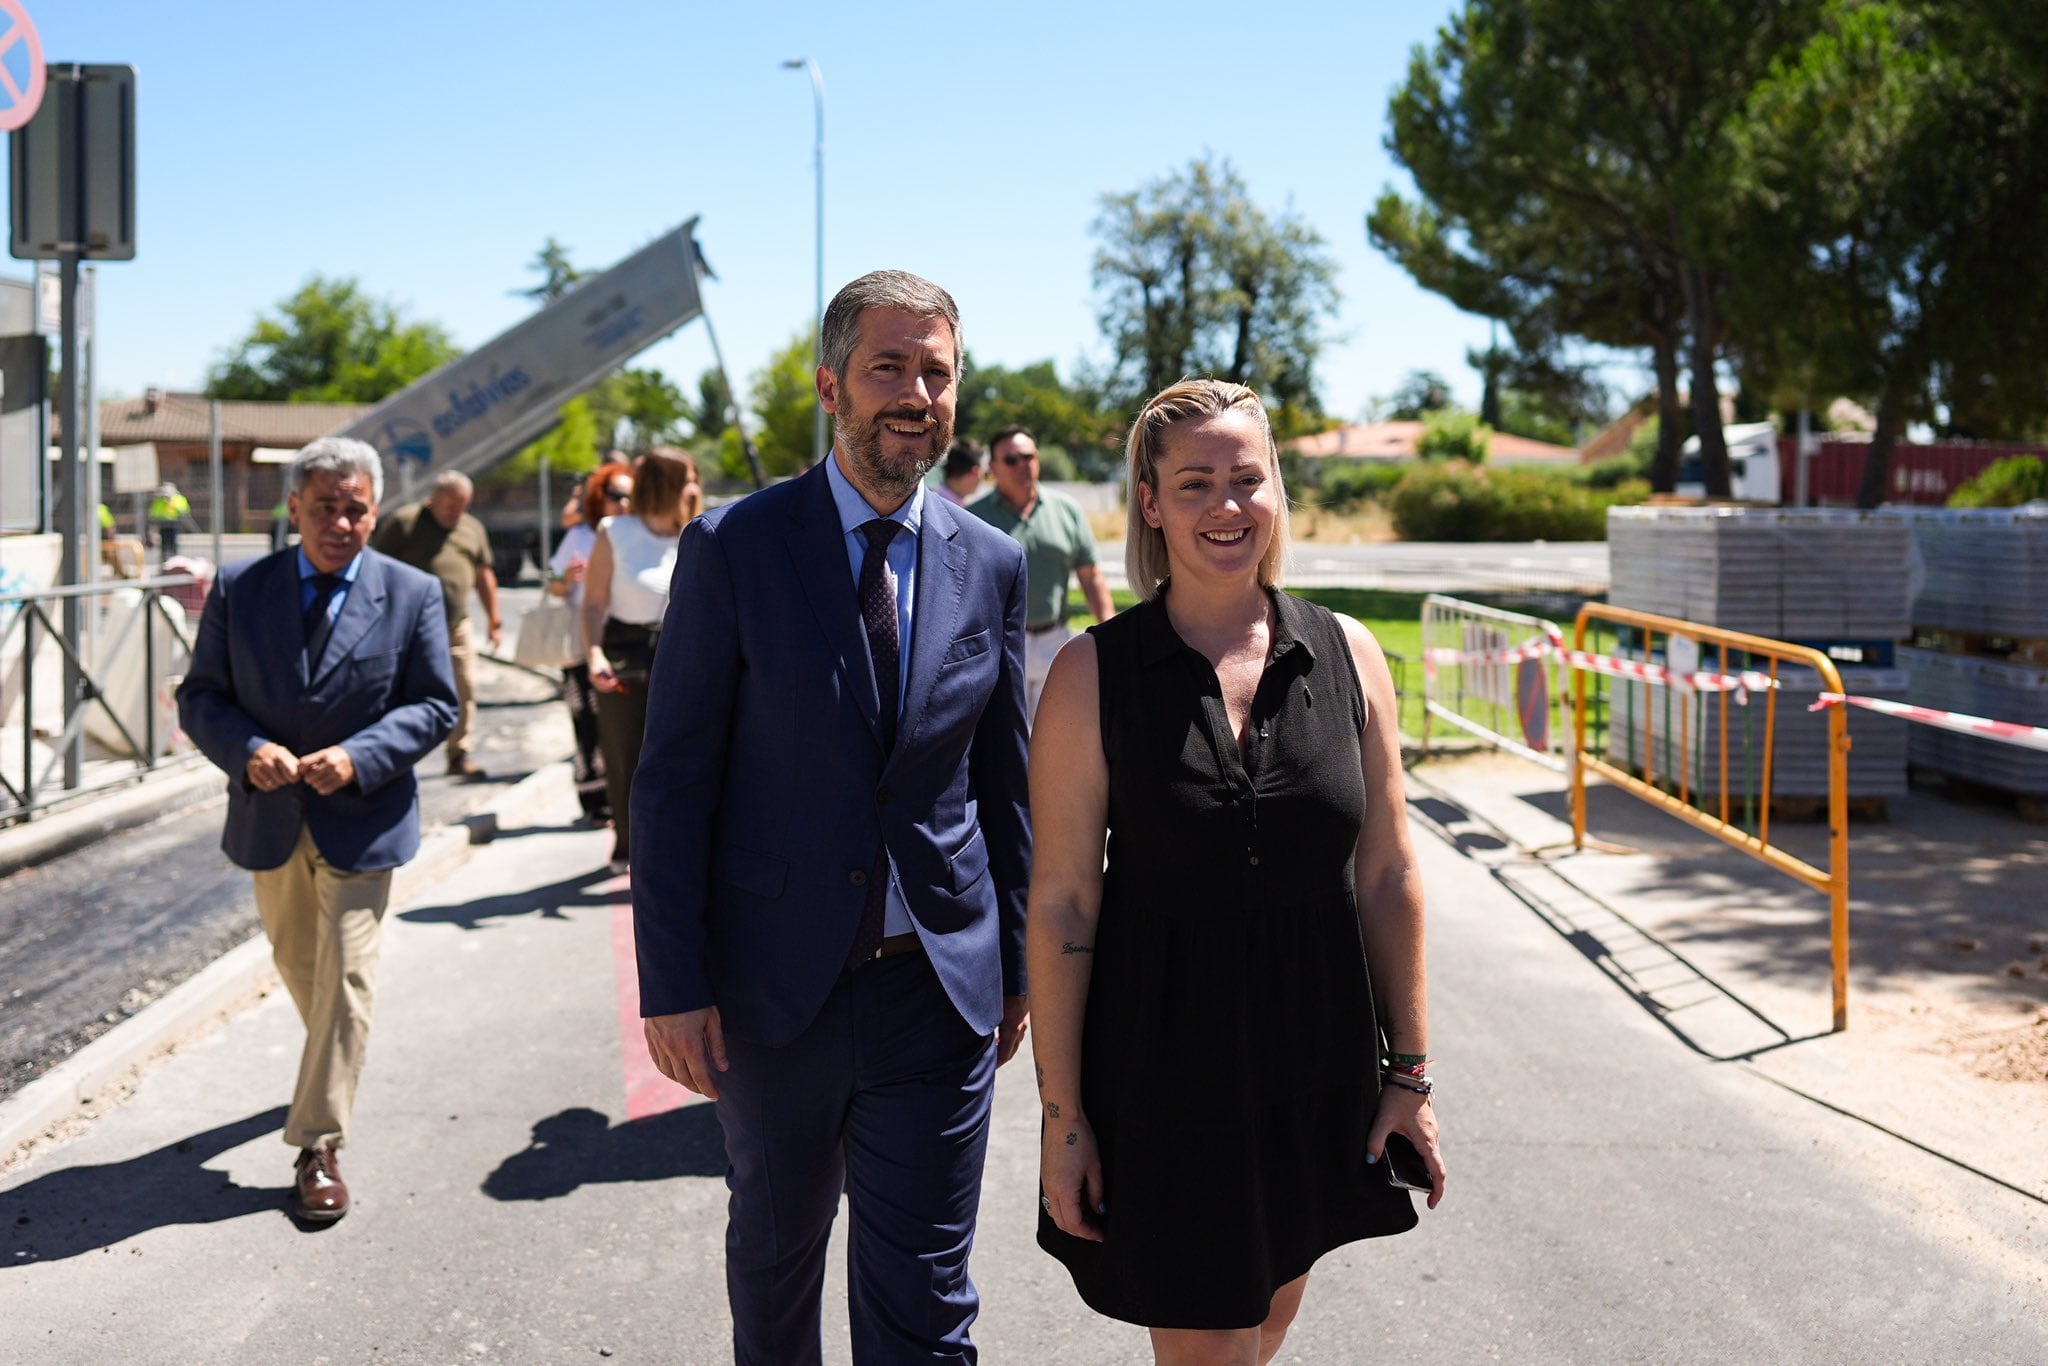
(689, 1049)
(273, 767)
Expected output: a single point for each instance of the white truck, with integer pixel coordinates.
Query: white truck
(1754, 475)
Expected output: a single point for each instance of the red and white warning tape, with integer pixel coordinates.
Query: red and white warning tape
(2011, 733)
(1742, 685)
(1553, 644)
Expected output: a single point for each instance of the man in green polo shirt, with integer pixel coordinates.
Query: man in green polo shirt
(441, 537)
(1057, 543)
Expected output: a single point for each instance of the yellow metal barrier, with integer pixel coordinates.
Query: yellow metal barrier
(1835, 881)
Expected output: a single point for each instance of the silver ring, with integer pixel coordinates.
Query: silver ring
(1045, 1203)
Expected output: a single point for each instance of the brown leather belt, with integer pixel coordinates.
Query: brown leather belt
(898, 944)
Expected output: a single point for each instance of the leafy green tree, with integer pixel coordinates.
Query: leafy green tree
(574, 446)
(1420, 393)
(329, 343)
(710, 416)
(1886, 163)
(1574, 176)
(1193, 278)
(784, 398)
(1058, 415)
(1448, 434)
(557, 273)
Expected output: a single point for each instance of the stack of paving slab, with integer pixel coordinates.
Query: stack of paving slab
(1811, 575)
(1639, 715)
(1985, 589)
(1976, 686)
(1985, 570)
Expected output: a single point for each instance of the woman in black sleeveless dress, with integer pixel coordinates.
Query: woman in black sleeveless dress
(1208, 1009)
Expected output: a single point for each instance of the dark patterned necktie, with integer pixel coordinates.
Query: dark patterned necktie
(878, 614)
(318, 624)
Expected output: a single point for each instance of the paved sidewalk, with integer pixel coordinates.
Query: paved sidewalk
(1616, 1195)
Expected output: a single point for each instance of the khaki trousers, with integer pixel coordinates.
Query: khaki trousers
(325, 928)
(1039, 648)
(462, 651)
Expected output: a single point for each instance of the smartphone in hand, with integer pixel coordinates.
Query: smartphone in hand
(1404, 1165)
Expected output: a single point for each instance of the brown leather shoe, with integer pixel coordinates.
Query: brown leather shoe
(318, 1193)
(466, 768)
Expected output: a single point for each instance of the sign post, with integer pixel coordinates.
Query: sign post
(72, 168)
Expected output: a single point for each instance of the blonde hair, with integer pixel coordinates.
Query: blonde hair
(1145, 559)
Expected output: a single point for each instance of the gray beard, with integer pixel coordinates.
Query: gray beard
(863, 447)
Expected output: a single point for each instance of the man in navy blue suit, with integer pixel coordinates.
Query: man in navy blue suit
(831, 934)
(320, 679)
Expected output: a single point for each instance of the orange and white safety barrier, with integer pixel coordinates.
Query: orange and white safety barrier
(2008, 732)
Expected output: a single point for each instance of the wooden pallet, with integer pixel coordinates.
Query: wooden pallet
(1983, 645)
(1791, 810)
(1814, 810)
(2031, 807)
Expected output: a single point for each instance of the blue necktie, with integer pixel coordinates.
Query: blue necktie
(319, 626)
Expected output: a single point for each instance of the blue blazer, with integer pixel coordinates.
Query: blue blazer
(762, 788)
(385, 693)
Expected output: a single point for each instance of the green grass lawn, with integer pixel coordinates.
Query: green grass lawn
(1395, 620)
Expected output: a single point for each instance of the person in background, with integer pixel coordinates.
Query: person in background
(441, 537)
(169, 511)
(1057, 544)
(1236, 750)
(625, 594)
(318, 730)
(966, 463)
(603, 495)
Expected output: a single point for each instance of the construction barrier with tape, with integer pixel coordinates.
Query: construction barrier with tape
(1487, 672)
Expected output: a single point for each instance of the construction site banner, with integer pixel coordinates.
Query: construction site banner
(473, 412)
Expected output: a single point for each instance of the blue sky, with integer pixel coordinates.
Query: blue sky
(428, 149)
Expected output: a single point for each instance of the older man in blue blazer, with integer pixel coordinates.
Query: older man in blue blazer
(830, 937)
(320, 679)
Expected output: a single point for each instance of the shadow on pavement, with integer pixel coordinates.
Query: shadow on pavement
(83, 1209)
(548, 902)
(579, 1147)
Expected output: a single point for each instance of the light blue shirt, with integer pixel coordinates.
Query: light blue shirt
(308, 590)
(854, 513)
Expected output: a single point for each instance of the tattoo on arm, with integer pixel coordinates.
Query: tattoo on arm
(1035, 1067)
(1073, 1137)
(1052, 1109)
(1068, 948)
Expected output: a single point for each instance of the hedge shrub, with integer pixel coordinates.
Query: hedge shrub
(1456, 501)
(2012, 481)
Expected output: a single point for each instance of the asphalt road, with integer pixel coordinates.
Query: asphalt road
(1615, 1196)
(88, 939)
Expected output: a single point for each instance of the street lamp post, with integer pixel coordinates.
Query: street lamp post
(818, 101)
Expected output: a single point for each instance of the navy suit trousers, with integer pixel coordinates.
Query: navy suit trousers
(885, 1097)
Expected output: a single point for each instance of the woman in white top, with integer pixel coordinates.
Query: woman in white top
(625, 593)
(603, 494)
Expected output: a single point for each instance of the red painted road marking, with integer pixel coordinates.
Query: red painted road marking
(647, 1091)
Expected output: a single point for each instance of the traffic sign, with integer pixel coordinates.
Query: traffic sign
(72, 168)
(21, 66)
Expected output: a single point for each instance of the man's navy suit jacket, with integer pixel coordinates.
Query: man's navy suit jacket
(385, 692)
(763, 790)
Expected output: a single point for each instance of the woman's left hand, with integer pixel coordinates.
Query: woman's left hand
(1404, 1112)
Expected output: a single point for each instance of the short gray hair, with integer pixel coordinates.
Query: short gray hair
(897, 289)
(338, 455)
(454, 481)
